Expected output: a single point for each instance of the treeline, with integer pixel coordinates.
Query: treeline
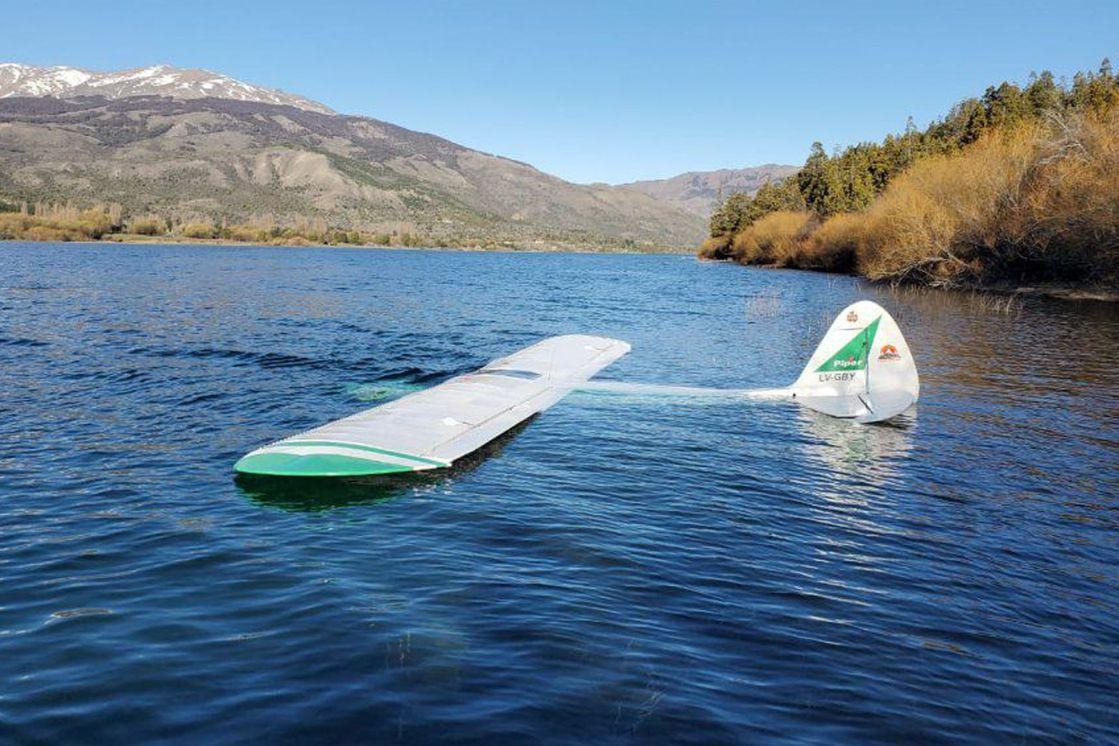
(58, 222)
(44, 221)
(54, 221)
(1022, 183)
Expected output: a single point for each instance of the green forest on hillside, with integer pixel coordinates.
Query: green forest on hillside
(1021, 184)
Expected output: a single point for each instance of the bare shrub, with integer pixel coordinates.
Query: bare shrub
(833, 245)
(147, 226)
(773, 239)
(48, 233)
(716, 247)
(246, 233)
(1037, 202)
(199, 230)
(936, 223)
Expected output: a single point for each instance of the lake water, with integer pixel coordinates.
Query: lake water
(621, 569)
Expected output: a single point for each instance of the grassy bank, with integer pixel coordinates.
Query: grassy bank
(1024, 199)
(57, 222)
(61, 223)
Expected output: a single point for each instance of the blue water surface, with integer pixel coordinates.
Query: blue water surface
(620, 569)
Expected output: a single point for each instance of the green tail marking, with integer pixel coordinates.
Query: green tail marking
(853, 355)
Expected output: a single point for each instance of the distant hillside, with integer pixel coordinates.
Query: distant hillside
(225, 159)
(700, 192)
(127, 140)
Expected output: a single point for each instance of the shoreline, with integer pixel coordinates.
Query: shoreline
(1050, 290)
(138, 240)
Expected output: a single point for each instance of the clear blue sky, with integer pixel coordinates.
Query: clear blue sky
(595, 91)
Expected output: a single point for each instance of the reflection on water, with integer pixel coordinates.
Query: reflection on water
(312, 495)
(876, 450)
(621, 568)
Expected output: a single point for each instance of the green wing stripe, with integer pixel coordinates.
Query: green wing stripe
(356, 447)
(853, 355)
(314, 465)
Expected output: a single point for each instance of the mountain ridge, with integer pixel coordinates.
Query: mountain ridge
(156, 80)
(224, 160)
(700, 192)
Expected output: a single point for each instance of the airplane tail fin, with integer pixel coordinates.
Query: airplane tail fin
(862, 368)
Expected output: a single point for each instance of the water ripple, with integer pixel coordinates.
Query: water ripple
(615, 570)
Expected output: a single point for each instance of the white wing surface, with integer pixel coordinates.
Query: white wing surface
(430, 429)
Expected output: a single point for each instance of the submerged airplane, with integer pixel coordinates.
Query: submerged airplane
(862, 370)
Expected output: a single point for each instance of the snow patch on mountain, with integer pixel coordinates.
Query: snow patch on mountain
(156, 80)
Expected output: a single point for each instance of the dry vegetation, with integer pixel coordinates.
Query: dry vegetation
(773, 239)
(1035, 202)
(59, 222)
(1018, 186)
(65, 222)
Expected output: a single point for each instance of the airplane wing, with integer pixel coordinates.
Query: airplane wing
(430, 429)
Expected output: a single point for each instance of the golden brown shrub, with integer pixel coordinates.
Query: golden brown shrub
(1067, 222)
(47, 233)
(290, 240)
(938, 220)
(772, 239)
(1037, 202)
(716, 247)
(833, 245)
(199, 230)
(12, 224)
(55, 223)
(246, 233)
(1033, 202)
(149, 226)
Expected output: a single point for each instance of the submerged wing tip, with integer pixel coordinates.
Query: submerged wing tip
(276, 464)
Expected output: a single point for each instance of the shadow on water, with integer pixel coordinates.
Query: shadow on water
(317, 494)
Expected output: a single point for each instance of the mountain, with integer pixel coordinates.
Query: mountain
(151, 142)
(215, 160)
(700, 192)
(158, 80)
